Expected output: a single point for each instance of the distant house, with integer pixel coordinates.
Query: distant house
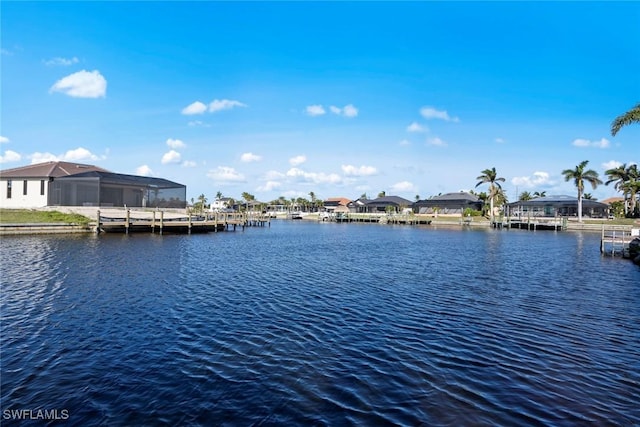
(449, 204)
(358, 205)
(552, 206)
(75, 184)
(332, 203)
(385, 204)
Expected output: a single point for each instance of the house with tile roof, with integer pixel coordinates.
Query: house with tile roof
(552, 206)
(448, 204)
(76, 184)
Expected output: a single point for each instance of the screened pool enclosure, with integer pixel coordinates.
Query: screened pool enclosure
(112, 189)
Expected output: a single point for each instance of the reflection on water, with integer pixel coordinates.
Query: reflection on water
(331, 324)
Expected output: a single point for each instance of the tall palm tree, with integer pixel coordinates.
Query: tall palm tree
(382, 193)
(631, 116)
(490, 176)
(579, 175)
(623, 176)
(539, 193)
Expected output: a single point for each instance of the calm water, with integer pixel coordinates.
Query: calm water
(321, 324)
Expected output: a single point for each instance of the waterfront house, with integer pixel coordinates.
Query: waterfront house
(332, 203)
(385, 204)
(448, 204)
(75, 184)
(552, 206)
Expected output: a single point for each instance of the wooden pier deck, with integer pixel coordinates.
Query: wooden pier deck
(158, 221)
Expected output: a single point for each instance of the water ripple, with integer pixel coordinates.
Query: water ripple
(321, 324)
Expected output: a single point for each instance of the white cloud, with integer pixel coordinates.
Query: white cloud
(224, 104)
(612, 164)
(580, 142)
(436, 141)
(83, 84)
(404, 142)
(403, 186)
(3, 139)
(313, 177)
(297, 160)
(350, 170)
(416, 127)
(198, 123)
(315, 110)
(10, 156)
(346, 111)
(189, 164)
(61, 61)
(250, 157)
(269, 186)
(194, 108)
(225, 174)
(144, 170)
(432, 113)
(539, 179)
(175, 143)
(350, 111)
(273, 176)
(39, 157)
(171, 156)
(77, 155)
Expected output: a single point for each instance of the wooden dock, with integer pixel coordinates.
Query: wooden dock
(615, 240)
(396, 219)
(158, 221)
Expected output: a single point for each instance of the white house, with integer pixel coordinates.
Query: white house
(75, 184)
(30, 186)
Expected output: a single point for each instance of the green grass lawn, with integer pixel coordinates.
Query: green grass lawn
(29, 216)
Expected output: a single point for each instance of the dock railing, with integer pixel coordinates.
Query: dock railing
(615, 239)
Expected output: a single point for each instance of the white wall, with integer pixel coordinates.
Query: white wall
(33, 198)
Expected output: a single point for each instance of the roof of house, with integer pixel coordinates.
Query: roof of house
(49, 170)
(613, 200)
(461, 195)
(389, 200)
(122, 179)
(558, 200)
(337, 201)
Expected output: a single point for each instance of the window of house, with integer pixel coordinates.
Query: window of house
(8, 189)
(24, 187)
(42, 187)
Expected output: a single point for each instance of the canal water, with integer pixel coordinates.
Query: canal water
(306, 323)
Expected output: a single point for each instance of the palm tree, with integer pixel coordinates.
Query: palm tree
(622, 176)
(539, 193)
(202, 199)
(490, 176)
(524, 196)
(633, 188)
(382, 193)
(248, 198)
(631, 116)
(579, 175)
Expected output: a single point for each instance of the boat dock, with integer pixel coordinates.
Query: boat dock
(397, 219)
(159, 221)
(615, 240)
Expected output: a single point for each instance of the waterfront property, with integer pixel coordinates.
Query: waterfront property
(449, 204)
(75, 184)
(557, 206)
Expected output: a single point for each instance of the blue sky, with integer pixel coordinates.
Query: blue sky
(285, 98)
